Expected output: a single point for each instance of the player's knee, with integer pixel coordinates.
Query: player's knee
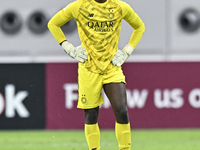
(122, 116)
(91, 116)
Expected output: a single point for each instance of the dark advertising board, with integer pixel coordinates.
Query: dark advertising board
(22, 96)
(160, 95)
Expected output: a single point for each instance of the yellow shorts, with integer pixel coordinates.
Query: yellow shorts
(90, 85)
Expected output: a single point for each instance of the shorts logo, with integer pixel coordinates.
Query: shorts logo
(83, 99)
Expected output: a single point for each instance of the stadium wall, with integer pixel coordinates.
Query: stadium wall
(44, 96)
(167, 38)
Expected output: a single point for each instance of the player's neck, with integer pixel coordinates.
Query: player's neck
(101, 1)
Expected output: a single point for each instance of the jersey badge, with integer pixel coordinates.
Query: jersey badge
(111, 14)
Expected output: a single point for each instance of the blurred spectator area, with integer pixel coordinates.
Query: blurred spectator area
(172, 31)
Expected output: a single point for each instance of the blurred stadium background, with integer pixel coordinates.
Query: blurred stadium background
(25, 38)
(38, 81)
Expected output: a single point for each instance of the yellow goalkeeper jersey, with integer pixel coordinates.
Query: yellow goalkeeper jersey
(99, 26)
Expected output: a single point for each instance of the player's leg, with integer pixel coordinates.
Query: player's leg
(91, 115)
(116, 93)
(92, 132)
(90, 98)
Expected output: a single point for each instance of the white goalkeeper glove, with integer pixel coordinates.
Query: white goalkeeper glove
(77, 53)
(122, 55)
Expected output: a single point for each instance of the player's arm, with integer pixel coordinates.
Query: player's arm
(54, 25)
(59, 19)
(137, 24)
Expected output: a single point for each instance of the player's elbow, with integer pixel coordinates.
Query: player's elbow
(142, 27)
(49, 24)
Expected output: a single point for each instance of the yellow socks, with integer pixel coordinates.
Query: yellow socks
(123, 134)
(122, 131)
(92, 135)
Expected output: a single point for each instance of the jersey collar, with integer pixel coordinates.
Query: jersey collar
(101, 4)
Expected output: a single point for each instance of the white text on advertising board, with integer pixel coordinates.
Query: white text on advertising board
(167, 98)
(12, 102)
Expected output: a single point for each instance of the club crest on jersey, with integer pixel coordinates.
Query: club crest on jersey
(111, 15)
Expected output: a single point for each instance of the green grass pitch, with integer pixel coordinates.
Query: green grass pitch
(154, 139)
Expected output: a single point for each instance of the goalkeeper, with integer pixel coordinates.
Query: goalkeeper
(99, 25)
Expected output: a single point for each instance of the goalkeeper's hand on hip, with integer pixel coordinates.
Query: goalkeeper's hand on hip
(77, 53)
(122, 55)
